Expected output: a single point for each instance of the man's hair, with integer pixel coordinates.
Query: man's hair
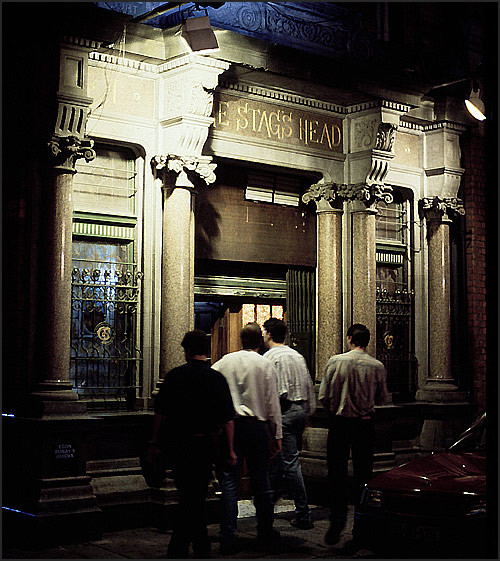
(276, 328)
(251, 336)
(196, 342)
(360, 335)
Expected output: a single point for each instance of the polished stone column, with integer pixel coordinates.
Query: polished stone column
(329, 272)
(364, 271)
(54, 303)
(439, 386)
(179, 175)
(330, 334)
(177, 312)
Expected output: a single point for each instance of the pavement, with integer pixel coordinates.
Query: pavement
(151, 543)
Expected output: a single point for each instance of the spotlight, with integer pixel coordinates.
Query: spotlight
(475, 105)
(199, 36)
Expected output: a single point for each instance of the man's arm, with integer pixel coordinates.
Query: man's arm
(228, 430)
(382, 396)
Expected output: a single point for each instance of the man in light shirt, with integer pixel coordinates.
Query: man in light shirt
(297, 402)
(353, 383)
(257, 437)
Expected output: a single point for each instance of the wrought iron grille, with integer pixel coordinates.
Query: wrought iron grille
(394, 328)
(106, 364)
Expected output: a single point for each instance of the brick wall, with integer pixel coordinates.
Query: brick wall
(474, 156)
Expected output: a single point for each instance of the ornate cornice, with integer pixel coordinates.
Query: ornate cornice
(174, 165)
(448, 125)
(68, 149)
(285, 97)
(81, 42)
(107, 59)
(438, 209)
(335, 193)
(200, 60)
(378, 103)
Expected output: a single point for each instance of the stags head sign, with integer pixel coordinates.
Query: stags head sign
(248, 117)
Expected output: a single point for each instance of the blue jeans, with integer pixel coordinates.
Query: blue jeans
(289, 475)
(251, 441)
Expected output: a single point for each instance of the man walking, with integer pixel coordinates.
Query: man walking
(297, 402)
(192, 406)
(257, 437)
(352, 384)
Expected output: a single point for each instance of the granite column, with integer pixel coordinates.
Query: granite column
(364, 271)
(329, 272)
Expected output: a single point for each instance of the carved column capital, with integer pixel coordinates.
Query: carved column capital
(170, 167)
(436, 209)
(68, 149)
(334, 194)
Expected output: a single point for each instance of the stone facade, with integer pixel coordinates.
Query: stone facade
(165, 118)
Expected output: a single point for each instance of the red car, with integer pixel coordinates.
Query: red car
(435, 504)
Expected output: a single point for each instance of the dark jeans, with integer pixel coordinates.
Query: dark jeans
(344, 434)
(251, 441)
(192, 469)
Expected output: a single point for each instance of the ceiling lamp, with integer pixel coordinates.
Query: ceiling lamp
(475, 105)
(199, 36)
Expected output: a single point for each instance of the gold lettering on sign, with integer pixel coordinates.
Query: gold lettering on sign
(267, 120)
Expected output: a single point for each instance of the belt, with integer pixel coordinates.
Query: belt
(249, 419)
(285, 404)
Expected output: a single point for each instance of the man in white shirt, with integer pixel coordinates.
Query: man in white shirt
(297, 402)
(257, 437)
(353, 383)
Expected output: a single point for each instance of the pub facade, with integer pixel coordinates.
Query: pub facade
(292, 173)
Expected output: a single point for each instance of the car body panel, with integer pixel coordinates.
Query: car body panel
(437, 501)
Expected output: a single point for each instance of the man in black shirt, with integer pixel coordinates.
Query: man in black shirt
(192, 407)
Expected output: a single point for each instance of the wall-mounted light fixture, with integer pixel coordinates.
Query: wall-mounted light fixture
(475, 104)
(199, 36)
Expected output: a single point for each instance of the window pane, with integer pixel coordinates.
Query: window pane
(105, 362)
(390, 221)
(263, 313)
(107, 183)
(248, 313)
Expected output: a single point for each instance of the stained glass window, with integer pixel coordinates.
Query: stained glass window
(260, 313)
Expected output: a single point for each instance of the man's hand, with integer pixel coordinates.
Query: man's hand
(232, 458)
(275, 447)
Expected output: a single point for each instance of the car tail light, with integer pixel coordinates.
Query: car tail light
(372, 497)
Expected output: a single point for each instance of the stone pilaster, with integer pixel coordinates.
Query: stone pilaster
(439, 386)
(329, 231)
(179, 176)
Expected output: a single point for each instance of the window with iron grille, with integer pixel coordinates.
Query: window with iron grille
(395, 315)
(106, 358)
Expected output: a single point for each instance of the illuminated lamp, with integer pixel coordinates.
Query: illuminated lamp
(475, 105)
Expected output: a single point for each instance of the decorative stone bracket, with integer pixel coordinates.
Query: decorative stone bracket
(188, 84)
(437, 209)
(68, 149)
(174, 170)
